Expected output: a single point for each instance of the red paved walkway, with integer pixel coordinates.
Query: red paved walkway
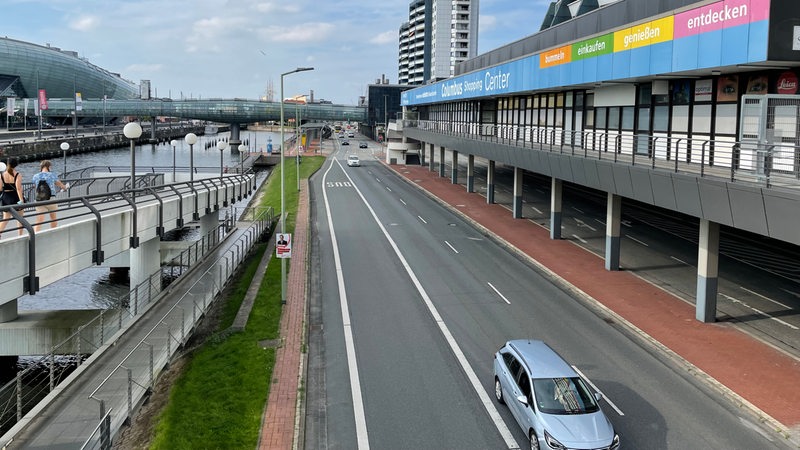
(278, 426)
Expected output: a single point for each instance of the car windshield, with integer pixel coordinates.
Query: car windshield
(352, 158)
(564, 396)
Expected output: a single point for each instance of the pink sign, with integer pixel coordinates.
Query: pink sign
(42, 99)
(719, 15)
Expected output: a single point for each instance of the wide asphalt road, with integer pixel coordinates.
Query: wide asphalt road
(409, 304)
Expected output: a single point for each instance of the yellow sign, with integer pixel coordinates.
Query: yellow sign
(644, 34)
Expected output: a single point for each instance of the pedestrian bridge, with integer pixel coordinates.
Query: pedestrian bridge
(100, 223)
(214, 110)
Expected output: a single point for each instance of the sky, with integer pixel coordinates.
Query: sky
(237, 48)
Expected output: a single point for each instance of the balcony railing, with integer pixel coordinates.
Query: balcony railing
(773, 166)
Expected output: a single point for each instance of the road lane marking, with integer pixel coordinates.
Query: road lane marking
(637, 240)
(584, 224)
(388, 189)
(758, 311)
(483, 396)
(403, 202)
(577, 209)
(362, 437)
(451, 247)
(765, 297)
(498, 293)
(423, 220)
(536, 209)
(605, 397)
(680, 261)
(579, 238)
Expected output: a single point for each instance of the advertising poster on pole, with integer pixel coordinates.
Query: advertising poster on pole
(283, 245)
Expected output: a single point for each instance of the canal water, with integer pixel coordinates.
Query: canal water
(97, 287)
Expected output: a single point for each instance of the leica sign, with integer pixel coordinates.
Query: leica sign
(787, 83)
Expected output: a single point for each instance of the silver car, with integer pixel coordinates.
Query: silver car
(554, 406)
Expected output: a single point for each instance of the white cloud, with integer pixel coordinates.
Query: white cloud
(304, 32)
(486, 23)
(272, 7)
(387, 37)
(84, 23)
(144, 68)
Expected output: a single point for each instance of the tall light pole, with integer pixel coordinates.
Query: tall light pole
(221, 146)
(300, 144)
(242, 149)
(133, 131)
(283, 178)
(173, 143)
(191, 139)
(65, 146)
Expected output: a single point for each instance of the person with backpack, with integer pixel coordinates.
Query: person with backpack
(12, 191)
(45, 183)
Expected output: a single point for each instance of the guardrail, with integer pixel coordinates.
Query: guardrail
(32, 384)
(168, 334)
(774, 165)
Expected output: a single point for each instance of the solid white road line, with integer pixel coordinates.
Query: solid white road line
(680, 261)
(608, 400)
(451, 247)
(579, 238)
(758, 311)
(362, 436)
(637, 240)
(498, 293)
(484, 397)
(765, 297)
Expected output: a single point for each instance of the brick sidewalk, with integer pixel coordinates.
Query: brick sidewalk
(279, 429)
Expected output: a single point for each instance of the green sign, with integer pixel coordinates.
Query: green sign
(590, 48)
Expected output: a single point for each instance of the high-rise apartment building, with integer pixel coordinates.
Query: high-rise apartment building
(438, 35)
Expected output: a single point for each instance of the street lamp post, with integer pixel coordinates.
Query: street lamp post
(173, 143)
(191, 139)
(283, 178)
(242, 149)
(133, 131)
(64, 147)
(221, 146)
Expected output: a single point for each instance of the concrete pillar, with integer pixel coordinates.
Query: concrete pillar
(490, 182)
(471, 173)
(235, 140)
(707, 271)
(517, 201)
(441, 162)
(613, 220)
(422, 148)
(454, 168)
(145, 260)
(556, 192)
(8, 311)
(209, 222)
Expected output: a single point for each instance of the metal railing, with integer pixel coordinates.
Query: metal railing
(32, 384)
(173, 329)
(774, 165)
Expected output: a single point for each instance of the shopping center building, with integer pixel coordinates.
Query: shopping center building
(687, 106)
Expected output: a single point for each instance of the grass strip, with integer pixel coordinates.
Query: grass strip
(219, 399)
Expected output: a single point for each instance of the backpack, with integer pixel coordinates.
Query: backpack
(43, 191)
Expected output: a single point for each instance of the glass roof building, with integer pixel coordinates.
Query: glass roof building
(25, 68)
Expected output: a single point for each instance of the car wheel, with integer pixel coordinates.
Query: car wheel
(498, 392)
(534, 440)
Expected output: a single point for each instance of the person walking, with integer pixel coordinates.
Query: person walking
(52, 182)
(12, 192)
